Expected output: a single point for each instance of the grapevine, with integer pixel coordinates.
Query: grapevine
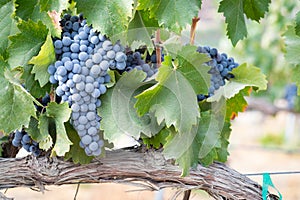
(78, 77)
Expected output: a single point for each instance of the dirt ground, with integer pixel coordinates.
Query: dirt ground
(247, 155)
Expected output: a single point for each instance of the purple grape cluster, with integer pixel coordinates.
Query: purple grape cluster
(290, 95)
(83, 58)
(22, 139)
(221, 66)
(134, 61)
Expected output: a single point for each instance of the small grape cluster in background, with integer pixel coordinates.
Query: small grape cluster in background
(221, 66)
(22, 139)
(290, 95)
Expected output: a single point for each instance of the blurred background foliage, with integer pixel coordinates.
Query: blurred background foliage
(265, 46)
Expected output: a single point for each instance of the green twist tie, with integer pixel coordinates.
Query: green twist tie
(267, 181)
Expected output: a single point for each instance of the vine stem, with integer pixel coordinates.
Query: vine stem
(52, 94)
(193, 29)
(158, 48)
(77, 190)
(148, 170)
(187, 195)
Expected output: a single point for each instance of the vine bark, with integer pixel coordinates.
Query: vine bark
(145, 169)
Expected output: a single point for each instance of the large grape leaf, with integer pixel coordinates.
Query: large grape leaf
(76, 153)
(57, 5)
(27, 43)
(173, 98)
(234, 13)
(16, 103)
(244, 75)
(292, 42)
(141, 28)
(188, 148)
(256, 9)
(119, 118)
(297, 27)
(7, 24)
(41, 62)
(108, 16)
(173, 14)
(60, 114)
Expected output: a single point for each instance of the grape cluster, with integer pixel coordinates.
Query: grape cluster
(22, 139)
(134, 61)
(83, 58)
(290, 95)
(221, 66)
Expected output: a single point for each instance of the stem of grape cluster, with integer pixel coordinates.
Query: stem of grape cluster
(158, 48)
(193, 29)
(52, 95)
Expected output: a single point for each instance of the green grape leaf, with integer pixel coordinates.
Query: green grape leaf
(189, 147)
(57, 5)
(237, 103)
(45, 140)
(222, 151)
(16, 103)
(209, 158)
(41, 62)
(110, 17)
(297, 27)
(181, 13)
(157, 140)
(61, 114)
(76, 153)
(27, 43)
(119, 118)
(32, 85)
(234, 17)
(26, 9)
(141, 28)
(30, 9)
(39, 131)
(7, 24)
(193, 69)
(172, 99)
(244, 75)
(256, 9)
(172, 45)
(292, 42)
